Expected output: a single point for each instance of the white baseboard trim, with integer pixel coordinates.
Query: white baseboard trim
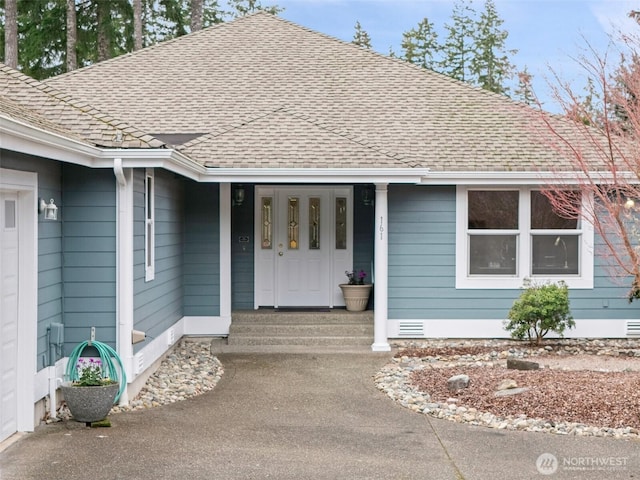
(420, 328)
(214, 326)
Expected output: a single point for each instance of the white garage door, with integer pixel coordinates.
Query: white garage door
(8, 313)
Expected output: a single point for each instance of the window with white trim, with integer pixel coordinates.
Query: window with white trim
(505, 235)
(149, 229)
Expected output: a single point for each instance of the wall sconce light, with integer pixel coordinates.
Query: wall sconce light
(238, 195)
(50, 209)
(367, 196)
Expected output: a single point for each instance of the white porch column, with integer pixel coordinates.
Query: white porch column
(381, 248)
(124, 269)
(225, 252)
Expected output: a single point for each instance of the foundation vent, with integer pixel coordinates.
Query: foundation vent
(139, 363)
(633, 328)
(411, 329)
(171, 336)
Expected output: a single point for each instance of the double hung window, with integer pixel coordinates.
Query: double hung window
(507, 235)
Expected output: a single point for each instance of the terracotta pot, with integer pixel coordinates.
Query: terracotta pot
(90, 404)
(356, 297)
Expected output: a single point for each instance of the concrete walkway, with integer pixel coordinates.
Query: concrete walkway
(302, 416)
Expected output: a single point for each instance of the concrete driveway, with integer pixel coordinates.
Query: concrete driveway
(304, 416)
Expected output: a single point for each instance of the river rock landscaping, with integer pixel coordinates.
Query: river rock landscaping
(583, 387)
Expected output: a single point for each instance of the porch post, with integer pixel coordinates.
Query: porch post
(225, 252)
(381, 247)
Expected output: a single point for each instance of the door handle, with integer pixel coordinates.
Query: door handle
(281, 253)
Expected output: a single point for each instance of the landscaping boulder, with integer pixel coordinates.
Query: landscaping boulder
(515, 364)
(507, 384)
(510, 391)
(458, 382)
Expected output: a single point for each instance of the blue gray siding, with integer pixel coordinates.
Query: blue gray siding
(242, 257)
(422, 234)
(158, 303)
(88, 216)
(49, 245)
(201, 251)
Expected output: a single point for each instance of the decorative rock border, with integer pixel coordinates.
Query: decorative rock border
(393, 380)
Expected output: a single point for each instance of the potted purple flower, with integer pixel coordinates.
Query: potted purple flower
(92, 395)
(356, 292)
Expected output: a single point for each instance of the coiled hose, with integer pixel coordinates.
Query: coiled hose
(107, 369)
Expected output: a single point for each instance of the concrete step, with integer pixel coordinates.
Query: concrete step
(271, 327)
(289, 329)
(300, 340)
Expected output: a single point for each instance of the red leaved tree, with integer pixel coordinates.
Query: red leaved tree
(599, 140)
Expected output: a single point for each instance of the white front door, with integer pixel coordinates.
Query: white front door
(303, 245)
(8, 314)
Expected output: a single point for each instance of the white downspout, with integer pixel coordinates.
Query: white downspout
(124, 269)
(381, 287)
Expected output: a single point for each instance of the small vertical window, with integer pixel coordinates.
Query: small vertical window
(9, 214)
(267, 222)
(314, 223)
(341, 223)
(293, 215)
(149, 218)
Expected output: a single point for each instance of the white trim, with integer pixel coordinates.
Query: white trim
(26, 184)
(225, 251)
(207, 326)
(124, 267)
(494, 328)
(381, 262)
(585, 280)
(149, 225)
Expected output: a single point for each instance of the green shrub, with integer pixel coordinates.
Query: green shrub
(539, 310)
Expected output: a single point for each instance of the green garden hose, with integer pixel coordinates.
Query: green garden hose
(107, 368)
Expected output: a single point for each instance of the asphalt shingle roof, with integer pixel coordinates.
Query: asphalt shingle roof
(40, 105)
(262, 91)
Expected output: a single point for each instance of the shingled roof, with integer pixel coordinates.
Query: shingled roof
(39, 105)
(264, 92)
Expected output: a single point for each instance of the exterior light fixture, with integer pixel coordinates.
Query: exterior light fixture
(50, 209)
(238, 195)
(367, 196)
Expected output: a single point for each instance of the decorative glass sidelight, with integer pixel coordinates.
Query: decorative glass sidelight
(293, 215)
(341, 223)
(267, 222)
(314, 223)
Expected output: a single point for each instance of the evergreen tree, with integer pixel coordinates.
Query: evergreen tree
(490, 66)
(361, 37)
(459, 47)
(245, 7)
(524, 92)
(420, 45)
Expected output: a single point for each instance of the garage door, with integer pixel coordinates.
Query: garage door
(8, 313)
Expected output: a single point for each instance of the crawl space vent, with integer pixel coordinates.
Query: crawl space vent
(633, 328)
(411, 329)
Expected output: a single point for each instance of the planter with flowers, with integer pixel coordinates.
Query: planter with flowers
(356, 292)
(94, 383)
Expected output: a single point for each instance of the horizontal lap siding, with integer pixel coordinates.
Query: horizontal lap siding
(202, 250)
(158, 303)
(242, 256)
(88, 213)
(49, 245)
(422, 259)
(422, 235)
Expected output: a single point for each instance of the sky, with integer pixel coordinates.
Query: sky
(546, 33)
